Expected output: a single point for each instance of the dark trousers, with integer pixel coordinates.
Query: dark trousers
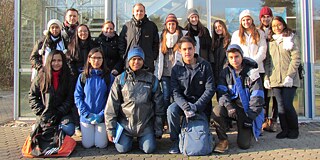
(274, 112)
(287, 114)
(220, 117)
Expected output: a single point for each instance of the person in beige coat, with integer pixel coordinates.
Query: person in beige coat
(282, 75)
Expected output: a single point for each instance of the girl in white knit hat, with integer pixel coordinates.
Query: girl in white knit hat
(52, 40)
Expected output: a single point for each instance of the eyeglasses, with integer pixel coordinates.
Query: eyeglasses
(277, 25)
(96, 58)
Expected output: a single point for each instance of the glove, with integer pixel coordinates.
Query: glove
(266, 84)
(193, 106)
(288, 82)
(231, 111)
(247, 122)
(189, 113)
(90, 117)
(97, 119)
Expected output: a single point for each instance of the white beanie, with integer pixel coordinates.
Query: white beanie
(52, 21)
(244, 13)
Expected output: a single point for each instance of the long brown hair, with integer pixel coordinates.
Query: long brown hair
(87, 68)
(200, 27)
(255, 33)
(163, 39)
(45, 77)
(225, 34)
(73, 47)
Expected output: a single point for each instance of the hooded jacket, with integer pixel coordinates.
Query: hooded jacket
(134, 106)
(143, 33)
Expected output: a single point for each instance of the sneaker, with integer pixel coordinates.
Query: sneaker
(222, 146)
(174, 148)
(273, 127)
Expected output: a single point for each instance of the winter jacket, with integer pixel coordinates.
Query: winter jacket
(193, 85)
(56, 103)
(111, 51)
(92, 97)
(134, 105)
(143, 33)
(37, 58)
(76, 64)
(256, 52)
(229, 94)
(69, 30)
(281, 63)
(204, 42)
(220, 59)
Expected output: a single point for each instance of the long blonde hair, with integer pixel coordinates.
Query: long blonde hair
(255, 33)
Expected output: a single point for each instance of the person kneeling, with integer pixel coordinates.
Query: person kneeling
(136, 103)
(241, 98)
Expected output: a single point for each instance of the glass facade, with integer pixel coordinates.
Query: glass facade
(34, 14)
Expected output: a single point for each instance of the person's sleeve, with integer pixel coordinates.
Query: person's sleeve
(79, 96)
(178, 91)
(35, 57)
(123, 42)
(256, 102)
(69, 101)
(295, 60)
(261, 54)
(222, 87)
(35, 99)
(235, 38)
(113, 106)
(159, 109)
(207, 95)
(155, 45)
(267, 66)
(101, 113)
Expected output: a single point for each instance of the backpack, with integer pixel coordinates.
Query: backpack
(123, 81)
(195, 138)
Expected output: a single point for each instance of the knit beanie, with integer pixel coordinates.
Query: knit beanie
(235, 47)
(171, 18)
(52, 21)
(265, 11)
(244, 13)
(191, 12)
(135, 51)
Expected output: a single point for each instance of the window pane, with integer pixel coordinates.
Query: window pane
(316, 33)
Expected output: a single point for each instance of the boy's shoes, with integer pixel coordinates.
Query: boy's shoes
(222, 146)
(174, 148)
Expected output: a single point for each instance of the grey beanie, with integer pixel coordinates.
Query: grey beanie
(191, 12)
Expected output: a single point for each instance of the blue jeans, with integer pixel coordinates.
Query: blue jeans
(147, 143)
(166, 89)
(68, 128)
(174, 112)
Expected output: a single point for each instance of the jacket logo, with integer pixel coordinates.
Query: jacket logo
(200, 82)
(147, 36)
(147, 86)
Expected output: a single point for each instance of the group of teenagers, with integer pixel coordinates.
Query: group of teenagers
(144, 80)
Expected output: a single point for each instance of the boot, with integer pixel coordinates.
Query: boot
(293, 131)
(222, 146)
(265, 125)
(273, 126)
(284, 127)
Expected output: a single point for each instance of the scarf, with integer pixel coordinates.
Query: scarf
(55, 79)
(171, 39)
(57, 43)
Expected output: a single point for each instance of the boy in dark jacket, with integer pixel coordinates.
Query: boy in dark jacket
(241, 98)
(193, 88)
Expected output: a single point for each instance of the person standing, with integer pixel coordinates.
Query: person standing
(168, 55)
(136, 103)
(140, 31)
(251, 40)
(265, 17)
(91, 94)
(282, 75)
(192, 84)
(108, 42)
(70, 23)
(200, 34)
(242, 99)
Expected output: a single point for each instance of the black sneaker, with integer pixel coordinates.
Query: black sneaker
(174, 148)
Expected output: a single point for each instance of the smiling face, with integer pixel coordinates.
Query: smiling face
(56, 62)
(246, 22)
(83, 33)
(171, 26)
(96, 60)
(277, 27)
(108, 28)
(218, 28)
(194, 19)
(138, 12)
(54, 29)
(187, 51)
(136, 63)
(72, 17)
(266, 20)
